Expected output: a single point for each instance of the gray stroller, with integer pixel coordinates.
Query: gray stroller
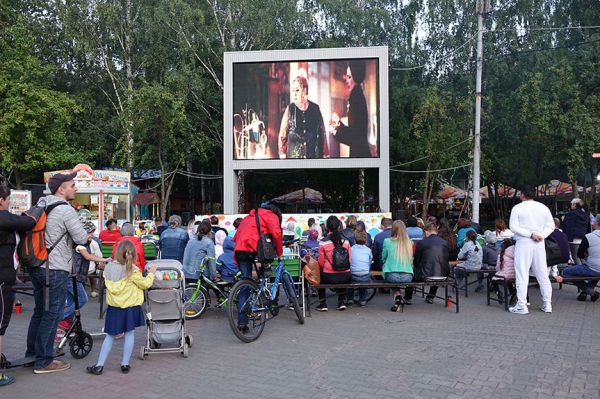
(165, 320)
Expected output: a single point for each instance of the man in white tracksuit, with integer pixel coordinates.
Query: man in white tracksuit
(531, 222)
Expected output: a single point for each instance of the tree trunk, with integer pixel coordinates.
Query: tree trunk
(241, 204)
(18, 180)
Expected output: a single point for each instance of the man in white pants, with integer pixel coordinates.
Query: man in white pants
(531, 222)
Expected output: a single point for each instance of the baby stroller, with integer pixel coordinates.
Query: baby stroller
(165, 320)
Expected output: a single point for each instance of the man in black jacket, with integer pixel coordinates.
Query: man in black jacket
(430, 260)
(9, 225)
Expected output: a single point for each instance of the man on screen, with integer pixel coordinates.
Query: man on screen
(356, 133)
(302, 128)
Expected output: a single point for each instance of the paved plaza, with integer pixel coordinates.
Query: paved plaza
(426, 352)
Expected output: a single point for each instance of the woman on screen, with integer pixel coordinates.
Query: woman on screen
(355, 135)
(302, 128)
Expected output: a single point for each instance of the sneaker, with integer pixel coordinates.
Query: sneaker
(594, 297)
(322, 307)
(517, 310)
(362, 303)
(6, 379)
(350, 303)
(582, 297)
(54, 367)
(341, 306)
(94, 294)
(546, 308)
(429, 300)
(64, 324)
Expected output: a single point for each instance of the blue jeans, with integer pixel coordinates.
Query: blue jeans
(396, 277)
(362, 292)
(583, 270)
(42, 327)
(245, 267)
(81, 297)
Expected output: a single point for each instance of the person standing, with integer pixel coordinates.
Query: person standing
(10, 224)
(355, 135)
(532, 222)
(576, 224)
(63, 230)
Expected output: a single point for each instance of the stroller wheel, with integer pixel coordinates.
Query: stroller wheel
(142, 352)
(189, 340)
(186, 350)
(81, 345)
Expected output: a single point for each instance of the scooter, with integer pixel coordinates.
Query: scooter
(80, 342)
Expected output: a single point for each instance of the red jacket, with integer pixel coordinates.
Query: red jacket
(139, 248)
(326, 254)
(246, 235)
(109, 236)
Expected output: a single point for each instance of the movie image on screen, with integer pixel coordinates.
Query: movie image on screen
(306, 109)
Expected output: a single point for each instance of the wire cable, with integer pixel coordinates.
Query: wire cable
(427, 156)
(431, 170)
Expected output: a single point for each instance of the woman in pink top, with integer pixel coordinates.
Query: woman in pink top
(328, 274)
(505, 267)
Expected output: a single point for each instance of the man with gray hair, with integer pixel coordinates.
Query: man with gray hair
(173, 240)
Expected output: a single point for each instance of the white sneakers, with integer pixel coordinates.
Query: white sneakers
(546, 308)
(519, 310)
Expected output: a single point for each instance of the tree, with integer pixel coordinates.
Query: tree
(34, 118)
(163, 136)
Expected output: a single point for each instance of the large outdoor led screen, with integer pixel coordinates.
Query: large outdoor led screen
(315, 109)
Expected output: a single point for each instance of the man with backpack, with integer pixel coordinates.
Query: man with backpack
(9, 225)
(63, 229)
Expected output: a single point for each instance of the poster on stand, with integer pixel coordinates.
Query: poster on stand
(20, 201)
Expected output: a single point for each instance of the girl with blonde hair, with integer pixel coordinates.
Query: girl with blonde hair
(397, 258)
(125, 287)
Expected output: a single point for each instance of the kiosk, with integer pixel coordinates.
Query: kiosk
(105, 193)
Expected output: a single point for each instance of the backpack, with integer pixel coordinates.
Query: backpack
(340, 258)
(32, 249)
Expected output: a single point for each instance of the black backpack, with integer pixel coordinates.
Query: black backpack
(340, 258)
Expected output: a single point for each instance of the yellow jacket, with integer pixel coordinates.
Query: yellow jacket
(125, 292)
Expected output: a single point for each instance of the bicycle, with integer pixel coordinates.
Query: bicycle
(196, 295)
(262, 300)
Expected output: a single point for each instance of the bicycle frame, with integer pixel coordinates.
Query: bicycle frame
(263, 287)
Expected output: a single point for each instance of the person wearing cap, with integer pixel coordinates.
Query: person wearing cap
(576, 224)
(10, 225)
(356, 133)
(82, 256)
(63, 230)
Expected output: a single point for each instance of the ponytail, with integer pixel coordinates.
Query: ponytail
(472, 236)
(505, 244)
(128, 262)
(126, 255)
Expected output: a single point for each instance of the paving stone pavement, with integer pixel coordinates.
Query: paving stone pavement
(426, 352)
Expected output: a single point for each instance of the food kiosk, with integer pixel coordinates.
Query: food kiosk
(105, 193)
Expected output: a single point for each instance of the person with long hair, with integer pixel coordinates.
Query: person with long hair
(124, 296)
(332, 241)
(397, 260)
(463, 226)
(502, 232)
(505, 267)
(195, 252)
(471, 253)
(445, 232)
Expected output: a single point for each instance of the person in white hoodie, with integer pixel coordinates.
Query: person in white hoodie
(532, 222)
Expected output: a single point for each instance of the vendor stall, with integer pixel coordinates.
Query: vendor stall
(105, 193)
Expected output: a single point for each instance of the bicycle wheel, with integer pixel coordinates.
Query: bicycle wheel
(255, 319)
(370, 293)
(290, 291)
(194, 307)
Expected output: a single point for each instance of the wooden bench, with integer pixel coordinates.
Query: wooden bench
(501, 281)
(419, 286)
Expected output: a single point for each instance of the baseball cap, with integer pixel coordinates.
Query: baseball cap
(58, 179)
(89, 227)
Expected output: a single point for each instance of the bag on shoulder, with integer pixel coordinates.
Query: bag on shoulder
(340, 258)
(553, 253)
(32, 249)
(265, 248)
